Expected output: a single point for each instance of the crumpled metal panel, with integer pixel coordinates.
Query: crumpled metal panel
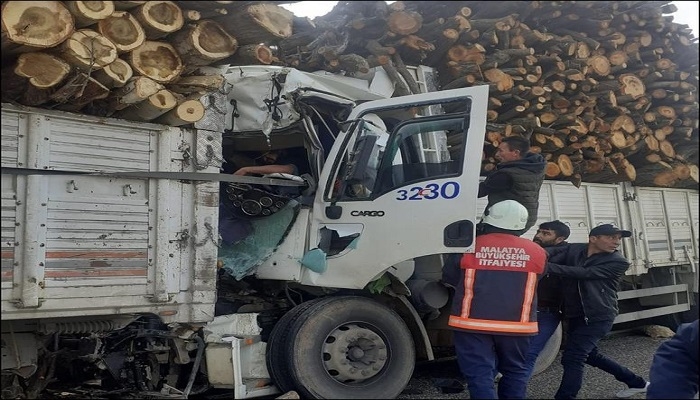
(208, 149)
(215, 107)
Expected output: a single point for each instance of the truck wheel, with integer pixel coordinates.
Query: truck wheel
(350, 347)
(276, 358)
(549, 353)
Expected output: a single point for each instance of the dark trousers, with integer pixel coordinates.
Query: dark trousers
(547, 323)
(581, 348)
(477, 355)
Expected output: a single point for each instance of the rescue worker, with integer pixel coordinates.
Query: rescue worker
(494, 306)
(518, 176)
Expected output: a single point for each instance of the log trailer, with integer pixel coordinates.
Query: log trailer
(114, 281)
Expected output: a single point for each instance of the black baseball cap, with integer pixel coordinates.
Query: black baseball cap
(609, 229)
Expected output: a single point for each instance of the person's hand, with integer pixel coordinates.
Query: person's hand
(242, 171)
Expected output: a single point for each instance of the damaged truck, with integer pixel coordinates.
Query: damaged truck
(115, 281)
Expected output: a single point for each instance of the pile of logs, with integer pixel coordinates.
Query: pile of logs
(605, 91)
(137, 60)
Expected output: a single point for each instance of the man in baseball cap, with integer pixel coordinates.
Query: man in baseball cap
(605, 238)
(609, 229)
(591, 273)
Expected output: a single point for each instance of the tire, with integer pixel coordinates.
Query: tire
(550, 352)
(350, 347)
(275, 357)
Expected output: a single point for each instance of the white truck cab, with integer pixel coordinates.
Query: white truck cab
(111, 263)
(360, 250)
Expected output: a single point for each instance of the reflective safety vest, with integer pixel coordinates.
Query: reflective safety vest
(498, 293)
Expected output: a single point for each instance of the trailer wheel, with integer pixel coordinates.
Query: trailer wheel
(549, 352)
(276, 358)
(350, 347)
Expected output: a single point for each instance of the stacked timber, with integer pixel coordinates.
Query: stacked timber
(138, 60)
(605, 91)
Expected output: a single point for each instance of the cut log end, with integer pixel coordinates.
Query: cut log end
(123, 30)
(88, 49)
(632, 86)
(204, 43)
(187, 112)
(404, 22)
(214, 41)
(43, 70)
(552, 170)
(269, 19)
(600, 65)
(36, 24)
(565, 165)
(159, 18)
(157, 60)
(136, 90)
(116, 74)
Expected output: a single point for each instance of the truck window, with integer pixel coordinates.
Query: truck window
(419, 149)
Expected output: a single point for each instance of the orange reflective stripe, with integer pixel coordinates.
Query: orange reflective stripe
(468, 292)
(530, 287)
(493, 325)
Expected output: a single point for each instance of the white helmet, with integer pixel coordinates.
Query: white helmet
(506, 214)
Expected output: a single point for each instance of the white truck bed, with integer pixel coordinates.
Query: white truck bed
(664, 222)
(76, 245)
(664, 243)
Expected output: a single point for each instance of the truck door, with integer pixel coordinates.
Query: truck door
(396, 187)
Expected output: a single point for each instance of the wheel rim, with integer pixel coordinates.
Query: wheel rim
(353, 354)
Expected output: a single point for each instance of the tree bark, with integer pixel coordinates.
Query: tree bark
(197, 84)
(156, 105)
(136, 90)
(127, 5)
(78, 91)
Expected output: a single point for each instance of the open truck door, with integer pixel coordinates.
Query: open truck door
(400, 182)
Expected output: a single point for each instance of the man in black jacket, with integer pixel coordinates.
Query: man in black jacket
(550, 235)
(518, 176)
(591, 272)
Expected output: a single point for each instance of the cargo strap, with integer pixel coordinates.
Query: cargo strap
(181, 176)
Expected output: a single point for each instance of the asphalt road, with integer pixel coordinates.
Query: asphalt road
(632, 349)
